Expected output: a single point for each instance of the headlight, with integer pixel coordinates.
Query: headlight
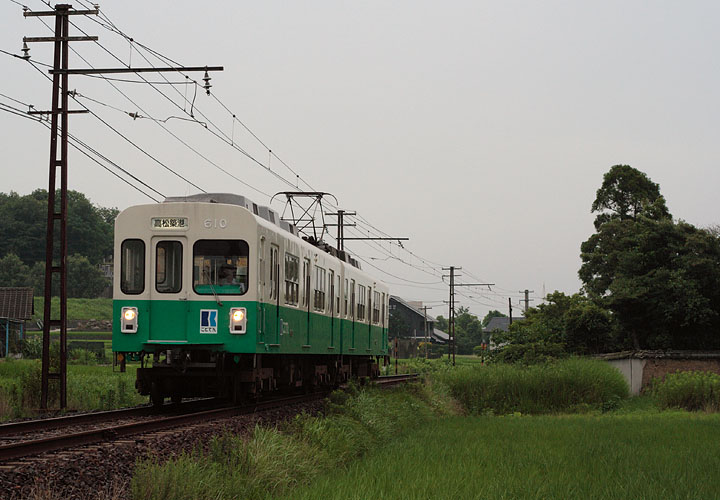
(128, 320)
(238, 320)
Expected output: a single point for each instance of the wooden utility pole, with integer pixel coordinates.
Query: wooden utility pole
(57, 209)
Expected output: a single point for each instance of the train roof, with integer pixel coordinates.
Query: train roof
(263, 212)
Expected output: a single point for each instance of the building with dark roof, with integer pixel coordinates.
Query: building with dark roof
(407, 325)
(16, 306)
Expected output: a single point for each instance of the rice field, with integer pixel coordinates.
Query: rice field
(639, 454)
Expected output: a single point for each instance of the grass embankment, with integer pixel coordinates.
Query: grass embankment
(610, 456)
(77, 309)
(273, 461)
(90, 387)
(573, 385)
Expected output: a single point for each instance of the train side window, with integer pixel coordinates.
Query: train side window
(132, 267)
(331, 292)
(220, 267)
(168, 266)
(292, 279)
(319, 302)
(361, 303)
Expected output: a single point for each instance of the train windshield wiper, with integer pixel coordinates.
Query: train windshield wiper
(209, 280)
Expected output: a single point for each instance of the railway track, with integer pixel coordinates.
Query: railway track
(184, 415)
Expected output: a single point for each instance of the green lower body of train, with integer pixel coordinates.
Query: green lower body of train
(187, 349)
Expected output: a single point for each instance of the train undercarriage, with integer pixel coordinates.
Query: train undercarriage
(179, 373)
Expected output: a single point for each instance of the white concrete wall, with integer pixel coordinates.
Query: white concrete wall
(632, 370)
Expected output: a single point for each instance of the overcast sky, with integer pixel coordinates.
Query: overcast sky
(480, 130)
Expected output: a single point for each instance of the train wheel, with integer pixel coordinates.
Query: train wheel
(156, 396)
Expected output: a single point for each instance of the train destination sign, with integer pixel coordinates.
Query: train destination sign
(169, 223)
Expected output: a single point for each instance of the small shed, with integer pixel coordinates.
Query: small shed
(640, 367)
(16, 306)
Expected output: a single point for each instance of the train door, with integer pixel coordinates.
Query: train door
(331, 281)
(168, 293)
(274, 291)
(306, 295)
(261, 291)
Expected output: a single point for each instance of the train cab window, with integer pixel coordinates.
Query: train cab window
(220, 267)
(292, 279)
(132, 267)
(168, 266)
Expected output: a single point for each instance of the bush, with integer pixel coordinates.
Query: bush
(32, 347)
(530, 353)
(571, 385)
(692, 390)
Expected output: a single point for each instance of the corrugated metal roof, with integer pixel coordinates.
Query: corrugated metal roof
(16, 302)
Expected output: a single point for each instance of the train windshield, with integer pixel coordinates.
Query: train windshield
(132, 267)
(220, 267)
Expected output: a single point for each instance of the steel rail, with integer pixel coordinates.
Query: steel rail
(23, 449)
(44, 424)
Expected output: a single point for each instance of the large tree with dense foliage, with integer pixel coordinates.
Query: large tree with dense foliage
(659, 278)
(625, 194)
(23, 226)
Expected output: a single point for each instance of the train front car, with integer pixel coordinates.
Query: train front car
(216, 297)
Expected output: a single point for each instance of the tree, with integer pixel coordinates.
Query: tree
(660, 279)
(490, 315)
(84, 279)
(13, 272)
(588, 329)
(23, 224)
(626, 193)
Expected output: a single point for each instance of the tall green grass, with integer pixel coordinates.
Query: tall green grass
(693, 390)
(276, 460)
(77, 309)
(564, 386)
(614, 457)
(91, 387)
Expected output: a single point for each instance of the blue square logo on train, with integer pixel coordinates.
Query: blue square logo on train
(208, 320)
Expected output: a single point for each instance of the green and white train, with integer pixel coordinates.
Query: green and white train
(216, 296)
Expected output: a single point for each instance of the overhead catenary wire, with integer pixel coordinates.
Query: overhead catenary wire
(425, 265)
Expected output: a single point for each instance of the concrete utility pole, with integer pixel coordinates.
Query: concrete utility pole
(425, 308)
(451, 312)
(510, 308)
(451, 302)
(58, 211)
(527, 298)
